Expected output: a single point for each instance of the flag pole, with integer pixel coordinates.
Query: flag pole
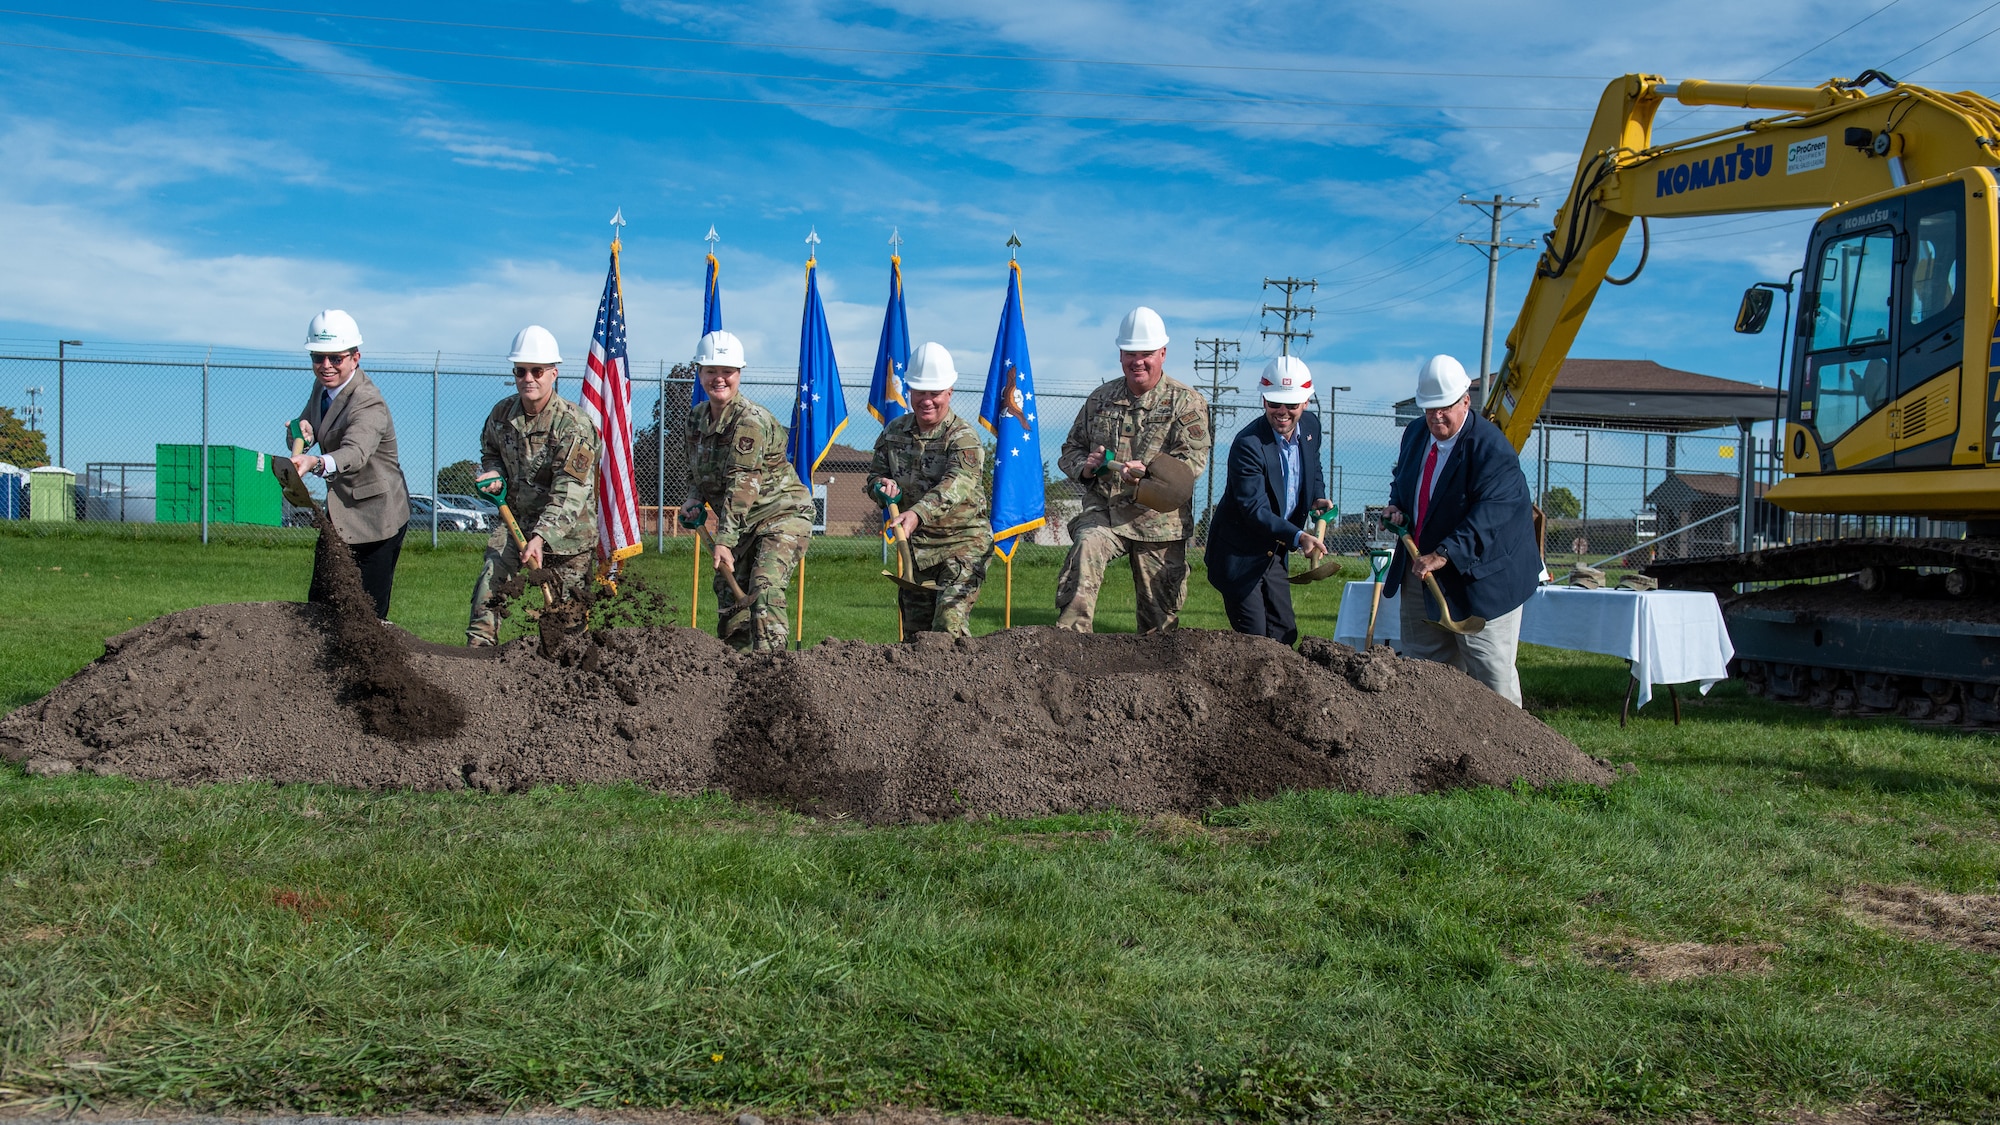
(799, 616)
(609, 566)
(1007, 622)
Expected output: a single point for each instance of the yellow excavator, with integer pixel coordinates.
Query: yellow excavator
(1892, 396)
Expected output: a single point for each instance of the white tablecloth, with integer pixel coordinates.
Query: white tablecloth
(1670, 636)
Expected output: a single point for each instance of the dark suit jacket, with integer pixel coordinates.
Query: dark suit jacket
(365, 497)
(1479, 512)
(1248, 530)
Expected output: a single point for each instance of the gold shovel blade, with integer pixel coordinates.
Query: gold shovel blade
(1326, 569)
(289, 483)
(920, 587)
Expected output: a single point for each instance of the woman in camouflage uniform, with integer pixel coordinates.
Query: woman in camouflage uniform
(763, 512)
(928, 462)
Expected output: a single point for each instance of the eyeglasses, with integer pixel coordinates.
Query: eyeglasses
(533, 372)
(1287, 407)
(333, 359)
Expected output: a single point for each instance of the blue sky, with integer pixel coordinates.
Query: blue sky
(186, 203)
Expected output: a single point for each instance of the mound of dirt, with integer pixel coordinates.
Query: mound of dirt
(1020, 723)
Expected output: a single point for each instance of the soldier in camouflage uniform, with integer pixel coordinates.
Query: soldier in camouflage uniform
(928, 462)
(545, 450)
(1134, 419)
(763, 512)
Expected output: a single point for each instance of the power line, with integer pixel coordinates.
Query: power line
(713, 73)
(652, 95)
(874, 50)
(1802, 54)
(1827, 40)
(1953, 51)
(1410, 296)
(1726, 234)
(1940, 35)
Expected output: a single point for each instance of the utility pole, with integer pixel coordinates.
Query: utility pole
(1331, 426)
(33, 411)
(1215, 364)
(1496, 210)
(1290, 311)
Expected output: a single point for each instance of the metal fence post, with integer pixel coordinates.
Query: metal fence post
(204, 446)
(660, 464)
(1742, 485)
(435, 489)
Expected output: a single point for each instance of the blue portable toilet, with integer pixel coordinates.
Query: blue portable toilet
(13, 492)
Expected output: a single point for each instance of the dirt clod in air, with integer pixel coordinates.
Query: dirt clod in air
(394, 700)
(1657, 961)
(1026, 722)
(1967, 921)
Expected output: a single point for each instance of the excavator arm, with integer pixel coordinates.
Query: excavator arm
(1834, 143)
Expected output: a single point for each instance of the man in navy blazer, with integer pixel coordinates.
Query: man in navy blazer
(1458, 481)
(1274, 484)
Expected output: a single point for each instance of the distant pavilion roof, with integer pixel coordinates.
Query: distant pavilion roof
(1641, 394)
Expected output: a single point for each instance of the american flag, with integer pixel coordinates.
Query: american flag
(607, 398)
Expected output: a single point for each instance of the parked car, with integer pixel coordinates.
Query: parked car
(449, 517)
(471, 503)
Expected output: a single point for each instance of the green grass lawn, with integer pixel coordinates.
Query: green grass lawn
(1318, 955)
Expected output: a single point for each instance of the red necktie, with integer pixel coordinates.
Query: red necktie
(1424, 490)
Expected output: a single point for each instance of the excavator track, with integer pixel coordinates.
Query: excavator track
(1911, 627)
(1979, 559)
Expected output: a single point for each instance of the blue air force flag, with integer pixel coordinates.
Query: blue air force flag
(821, 410)
(892, 355)
(1008, 413)
(711, 318)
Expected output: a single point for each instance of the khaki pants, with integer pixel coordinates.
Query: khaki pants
(1159, 575)
(1486, 656)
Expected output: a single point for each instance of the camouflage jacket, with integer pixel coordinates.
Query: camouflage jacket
(737, 466)
(550, 463)
(937, 476)
(1170, 419)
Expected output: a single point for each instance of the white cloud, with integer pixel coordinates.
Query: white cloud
(480, 150)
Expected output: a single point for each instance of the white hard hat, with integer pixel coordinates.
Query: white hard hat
(931, 369)
(1286, 380)
(332, 331)
(1441, 382)
(534, 344)
(719, 349)
(1142, 330)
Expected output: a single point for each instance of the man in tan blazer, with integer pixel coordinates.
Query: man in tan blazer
(365, 495)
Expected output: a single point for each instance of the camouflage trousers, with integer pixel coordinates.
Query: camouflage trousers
(766, 556)
(1159, 574)
(503, 561)
(957, 570)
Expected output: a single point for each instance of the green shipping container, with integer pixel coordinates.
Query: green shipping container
(241, 488)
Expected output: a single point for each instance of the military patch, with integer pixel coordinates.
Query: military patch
(746, 443)
(968, 458)
(579, 463)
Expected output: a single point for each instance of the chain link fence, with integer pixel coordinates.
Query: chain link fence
(179, 439)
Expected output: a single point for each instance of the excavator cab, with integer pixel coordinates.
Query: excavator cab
(1880, 342)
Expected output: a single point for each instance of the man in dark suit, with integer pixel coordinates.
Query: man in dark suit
(1459, 481)
(1275, 484)
(365, 495)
